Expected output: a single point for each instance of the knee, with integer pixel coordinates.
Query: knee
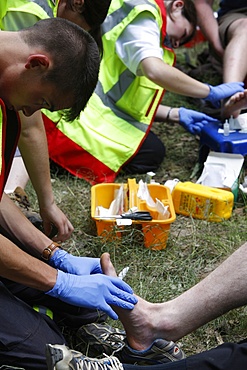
(237, 31)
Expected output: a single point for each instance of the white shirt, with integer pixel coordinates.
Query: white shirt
(139, 40)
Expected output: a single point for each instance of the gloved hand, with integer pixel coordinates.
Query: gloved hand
(93, 291)
(223, 91)
(75, 265)
(193, 121)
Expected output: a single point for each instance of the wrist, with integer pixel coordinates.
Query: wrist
(209, 93)
(46, 200)
(173, 115)
(56, 287)
(49, 251)
(57, 258)
(168, 119)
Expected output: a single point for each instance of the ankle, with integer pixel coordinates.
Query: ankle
(166, 323)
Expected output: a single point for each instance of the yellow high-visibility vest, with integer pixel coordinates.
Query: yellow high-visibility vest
(18, 14)
(119, 114)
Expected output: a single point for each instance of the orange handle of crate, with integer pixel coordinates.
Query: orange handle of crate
(133, 199)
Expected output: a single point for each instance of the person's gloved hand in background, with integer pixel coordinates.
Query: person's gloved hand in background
(223, 91)
(193, 121)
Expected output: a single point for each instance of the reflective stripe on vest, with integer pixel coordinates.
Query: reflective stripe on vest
(44, 5)
(38, 7)
(118, 83)
(119, 114)
(44, 310)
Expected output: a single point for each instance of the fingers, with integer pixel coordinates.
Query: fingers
(122, 303)
(196, 130)
(64, 231)
(47, 228)
(121, 285)
(208, 118)
(52, 218)
(124, 297)
(109, 311)
(197, 127)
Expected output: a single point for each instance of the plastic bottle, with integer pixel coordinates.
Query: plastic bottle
(231, 123)
(226, 128)
(200, 201)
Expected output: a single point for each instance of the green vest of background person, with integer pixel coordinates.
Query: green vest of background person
(3, 8)
(19, 14)
(120, 113)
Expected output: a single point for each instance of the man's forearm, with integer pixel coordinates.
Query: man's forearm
(34, 150)
(20, 230)
(22, 268)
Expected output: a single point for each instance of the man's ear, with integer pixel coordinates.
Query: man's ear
(178, 4)
(78, 6)
(37, 60)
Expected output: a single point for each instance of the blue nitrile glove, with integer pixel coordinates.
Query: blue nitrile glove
(193, 121)
(93, 291)
(223, 91)
(75, 265)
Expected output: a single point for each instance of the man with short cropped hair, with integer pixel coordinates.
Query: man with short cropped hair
(53, 64)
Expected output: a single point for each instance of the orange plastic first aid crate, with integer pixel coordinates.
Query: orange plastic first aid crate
(155, 232)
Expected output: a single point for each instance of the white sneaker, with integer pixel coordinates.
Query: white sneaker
(60, 357)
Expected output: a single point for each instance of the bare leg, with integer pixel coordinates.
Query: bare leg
(235, 104)
(235, 57)
(139, 322)
(222, 290)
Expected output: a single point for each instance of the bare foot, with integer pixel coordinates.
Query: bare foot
(142, 324)
(235, 104)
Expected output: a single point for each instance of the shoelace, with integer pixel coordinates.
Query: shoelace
(107, 363)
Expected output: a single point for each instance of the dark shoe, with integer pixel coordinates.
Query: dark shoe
(37, 221)
(101, 338)
(60, 357)
(161, 351)
(20, 198)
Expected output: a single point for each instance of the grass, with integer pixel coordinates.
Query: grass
(194, 247)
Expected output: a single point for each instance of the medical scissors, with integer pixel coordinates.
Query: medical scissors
(138, 215)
